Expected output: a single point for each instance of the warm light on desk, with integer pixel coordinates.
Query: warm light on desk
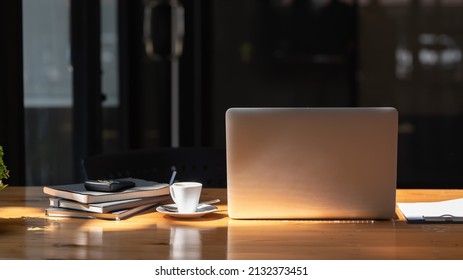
(26, 233)
(19, 212)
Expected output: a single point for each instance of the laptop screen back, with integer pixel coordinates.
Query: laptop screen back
(311, 163)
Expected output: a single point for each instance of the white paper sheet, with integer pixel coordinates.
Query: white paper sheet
(445, 211)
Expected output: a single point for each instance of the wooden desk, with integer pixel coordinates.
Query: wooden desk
(25, 233)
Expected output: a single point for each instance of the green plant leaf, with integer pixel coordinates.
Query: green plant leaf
(4, 172)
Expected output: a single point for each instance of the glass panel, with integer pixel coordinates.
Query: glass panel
(294, 53)
(47, 92)
(109, 62)
(409, 51)
(48, 88)
(411, 58)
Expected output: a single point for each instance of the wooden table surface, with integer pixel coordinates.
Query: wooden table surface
(26, 233)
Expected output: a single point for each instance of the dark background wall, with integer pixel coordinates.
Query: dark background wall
(405, 54)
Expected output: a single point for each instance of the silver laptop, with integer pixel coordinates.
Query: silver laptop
(311, 163)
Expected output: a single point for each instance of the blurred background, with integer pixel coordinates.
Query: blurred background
(101, 76)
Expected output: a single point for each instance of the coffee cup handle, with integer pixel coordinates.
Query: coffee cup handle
(172, 194)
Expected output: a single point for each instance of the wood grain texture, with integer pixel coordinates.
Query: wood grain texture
(26, 233)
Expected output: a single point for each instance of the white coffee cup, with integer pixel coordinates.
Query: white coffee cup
(186, 196)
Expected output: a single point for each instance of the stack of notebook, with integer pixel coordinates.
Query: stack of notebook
(75, 201)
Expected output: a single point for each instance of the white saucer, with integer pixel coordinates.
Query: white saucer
(201, 210)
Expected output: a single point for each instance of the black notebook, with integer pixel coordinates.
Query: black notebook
(106, 207)
(77, 192)
(115, 215)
